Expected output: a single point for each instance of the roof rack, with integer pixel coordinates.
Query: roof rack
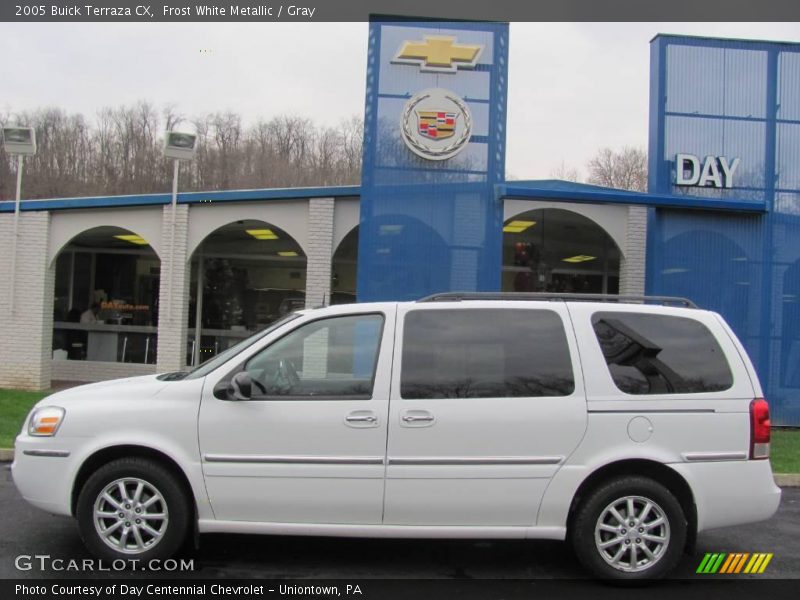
(553, 296)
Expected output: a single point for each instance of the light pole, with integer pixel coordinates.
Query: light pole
(19, 141)
(177, 146)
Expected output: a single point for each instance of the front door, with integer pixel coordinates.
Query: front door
(487, 403)
(309, 446)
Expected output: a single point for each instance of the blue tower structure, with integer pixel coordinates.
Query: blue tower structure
(725, 125)
(434, 151)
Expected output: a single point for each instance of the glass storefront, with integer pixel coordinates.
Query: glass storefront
(251, 273)
(343, 269)
(554, 250)
(106, 298)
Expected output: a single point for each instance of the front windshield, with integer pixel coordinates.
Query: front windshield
(223, 357)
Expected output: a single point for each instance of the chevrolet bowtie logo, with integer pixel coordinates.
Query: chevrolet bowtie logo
(439, 54)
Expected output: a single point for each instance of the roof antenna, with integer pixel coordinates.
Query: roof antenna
(324, 302)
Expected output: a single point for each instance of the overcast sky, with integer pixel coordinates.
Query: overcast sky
(573, 87)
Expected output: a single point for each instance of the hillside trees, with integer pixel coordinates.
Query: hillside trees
(120, 152)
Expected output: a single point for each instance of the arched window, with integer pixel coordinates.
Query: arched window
(251, 273)
(106, 297)
(344, 268)
(554, 250)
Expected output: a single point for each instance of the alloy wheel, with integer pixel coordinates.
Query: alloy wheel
(130, 515)
(632, 533)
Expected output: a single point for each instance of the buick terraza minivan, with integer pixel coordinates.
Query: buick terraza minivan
(623, 425)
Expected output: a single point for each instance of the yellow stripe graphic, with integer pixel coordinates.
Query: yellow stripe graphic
(757, 566)
(752, 562)
(755, 563)
(765, 563)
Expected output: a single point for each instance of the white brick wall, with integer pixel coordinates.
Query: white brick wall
(632, 266)
(88, 370)
(26, 329)
(315, 355)
(173, 308)
(320, 250)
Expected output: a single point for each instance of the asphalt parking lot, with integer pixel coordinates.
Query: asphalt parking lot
(25, 530)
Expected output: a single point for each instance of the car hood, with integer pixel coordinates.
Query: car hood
(141, 387)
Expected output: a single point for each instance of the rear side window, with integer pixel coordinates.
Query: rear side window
(485, 353)
(660, 354)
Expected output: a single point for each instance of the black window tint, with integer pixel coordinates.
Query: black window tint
(658, 354)
(485, 353)
(329, 358)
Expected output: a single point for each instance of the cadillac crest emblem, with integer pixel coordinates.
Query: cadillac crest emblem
(436, 124)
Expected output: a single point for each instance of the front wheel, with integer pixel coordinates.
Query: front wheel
(133, 508)
(629, 528)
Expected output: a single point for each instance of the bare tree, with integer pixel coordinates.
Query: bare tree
(121, 152)
(626, 169)
(566, 173)
(172, 118)
(352, 138)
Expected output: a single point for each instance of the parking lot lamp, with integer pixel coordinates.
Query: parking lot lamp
(177, 146)
(19, 141)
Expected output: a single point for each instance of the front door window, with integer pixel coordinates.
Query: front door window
(330, 358)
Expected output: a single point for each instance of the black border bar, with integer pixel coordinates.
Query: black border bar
(405, 589)
(360, 10)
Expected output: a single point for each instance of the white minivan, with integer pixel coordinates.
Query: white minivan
(624, 425)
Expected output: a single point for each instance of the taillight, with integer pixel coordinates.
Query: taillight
(759, 429)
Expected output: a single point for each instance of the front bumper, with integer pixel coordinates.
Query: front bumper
(43, 471)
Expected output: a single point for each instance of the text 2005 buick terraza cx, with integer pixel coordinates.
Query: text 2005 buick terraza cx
(623, 427)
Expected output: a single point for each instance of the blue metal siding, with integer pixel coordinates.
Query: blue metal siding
(788, 84)
(715, 81)
(737, 99)
(788, 156)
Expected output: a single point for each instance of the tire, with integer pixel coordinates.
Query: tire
(156, 531)
(657, 538)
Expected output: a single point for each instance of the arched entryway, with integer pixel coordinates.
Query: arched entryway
(554, 250)
(712, 270)
(344, 268)
(251, 273)
(105, 305)
(401, 267)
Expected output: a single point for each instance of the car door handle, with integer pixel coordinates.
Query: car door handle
(361, 418)
(417, 418)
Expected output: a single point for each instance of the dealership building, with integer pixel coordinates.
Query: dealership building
(175, 284)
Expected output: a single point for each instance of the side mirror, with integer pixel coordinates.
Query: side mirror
(240, 387)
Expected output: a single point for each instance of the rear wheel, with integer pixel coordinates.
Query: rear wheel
(133, 508)
(629, 528)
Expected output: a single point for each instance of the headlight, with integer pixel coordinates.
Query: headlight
(44, 421)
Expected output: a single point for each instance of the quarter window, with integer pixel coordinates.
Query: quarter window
(485, 353)
(660, 354)
(329, 358)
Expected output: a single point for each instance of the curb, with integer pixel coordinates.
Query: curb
(787, 479)
(781, 479)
